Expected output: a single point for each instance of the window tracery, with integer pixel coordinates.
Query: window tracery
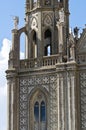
(38, 110)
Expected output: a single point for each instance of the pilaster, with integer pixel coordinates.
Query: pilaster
(73, 91)
(61, 95)
(12, 88)
(14, 53)
(67, 96)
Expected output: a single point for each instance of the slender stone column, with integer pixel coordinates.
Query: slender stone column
(69, 101)
(58, 85)
(60, 32)
(27, 5)
(72, 96)
(67, 96)
(14, 53)
(12, 99)
(38, 3)
(61, 97)
(68, 51)
(62, 103)
(8, 105)
(73, 102)
(11, 105)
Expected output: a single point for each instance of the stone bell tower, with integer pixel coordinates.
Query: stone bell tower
(42, 90)
(47, 24)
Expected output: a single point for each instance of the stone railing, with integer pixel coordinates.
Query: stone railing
(39, 62)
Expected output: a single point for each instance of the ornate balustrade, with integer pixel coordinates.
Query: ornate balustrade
(38, 62)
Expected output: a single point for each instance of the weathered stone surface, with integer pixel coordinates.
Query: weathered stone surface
(47, 89)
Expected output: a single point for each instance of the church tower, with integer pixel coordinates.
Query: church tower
(47, 24)
(42, 88)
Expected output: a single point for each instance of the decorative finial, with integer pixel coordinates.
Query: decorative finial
(61, 15)
(76, 30)
(16, 21)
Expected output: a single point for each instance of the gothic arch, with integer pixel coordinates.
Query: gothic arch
(34, 45)
(47, 28)
(22, 33)
(22, 30)
(42, 89)
(34, 23)
(38, 112)
(47, 42)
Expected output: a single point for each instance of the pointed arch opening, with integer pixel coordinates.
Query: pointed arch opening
(22, 46)
(38, 111)
(47, 43)
(34, 44)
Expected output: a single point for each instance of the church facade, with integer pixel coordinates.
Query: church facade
(47, 89)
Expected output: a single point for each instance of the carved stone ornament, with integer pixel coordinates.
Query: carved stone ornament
(83, 99)
(47, 20)
(61, 16)
(28, 84)
(16, 22)
(34, 23)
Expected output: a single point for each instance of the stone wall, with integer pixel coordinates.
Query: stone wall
(28, 85)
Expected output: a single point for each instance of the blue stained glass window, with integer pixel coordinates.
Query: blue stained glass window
(43, 111)
(36, 111)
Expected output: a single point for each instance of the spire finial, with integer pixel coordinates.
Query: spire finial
(16, 22)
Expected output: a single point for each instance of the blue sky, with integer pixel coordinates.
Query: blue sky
(17, 8)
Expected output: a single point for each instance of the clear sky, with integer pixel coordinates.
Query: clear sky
(9, 9)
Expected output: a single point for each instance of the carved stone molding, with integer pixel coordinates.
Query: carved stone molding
(47, 18)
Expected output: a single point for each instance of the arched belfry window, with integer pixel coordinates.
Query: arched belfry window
(22, 46)
(34, 45)
(47, 43)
